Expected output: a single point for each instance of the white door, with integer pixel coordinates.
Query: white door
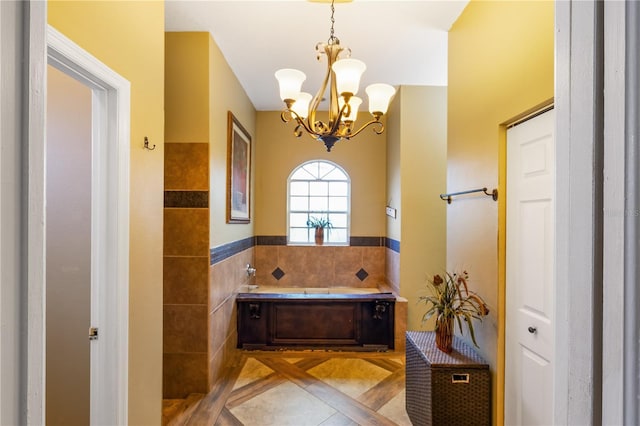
(530, 271)
(84, 197)
(68, 254)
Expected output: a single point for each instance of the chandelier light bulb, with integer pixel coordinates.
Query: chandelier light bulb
(348, 73)
(379, 96)
(290, 82)
(301, 105)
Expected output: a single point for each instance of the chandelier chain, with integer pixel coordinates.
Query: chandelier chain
(332, 37)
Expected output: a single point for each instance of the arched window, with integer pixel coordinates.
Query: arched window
(318, 189)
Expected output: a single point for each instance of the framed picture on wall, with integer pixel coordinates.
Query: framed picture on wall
(238, 172)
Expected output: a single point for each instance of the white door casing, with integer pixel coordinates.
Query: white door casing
(110, 229)
(12, 347)
(1, 185)
(530, 272)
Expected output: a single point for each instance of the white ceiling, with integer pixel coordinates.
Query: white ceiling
(402, 42)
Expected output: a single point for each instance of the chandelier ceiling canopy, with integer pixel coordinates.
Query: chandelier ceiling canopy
(343, 79)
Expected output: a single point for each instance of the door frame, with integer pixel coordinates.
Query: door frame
(502, 248)
(531, 113)
(110, 189)
(1, 214)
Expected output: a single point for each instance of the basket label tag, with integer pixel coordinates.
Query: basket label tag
(460, 378)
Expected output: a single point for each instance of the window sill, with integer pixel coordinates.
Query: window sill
(317, 245)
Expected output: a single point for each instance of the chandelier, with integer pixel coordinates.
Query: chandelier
(343, 77)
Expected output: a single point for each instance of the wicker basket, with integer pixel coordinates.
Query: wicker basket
(446, 389)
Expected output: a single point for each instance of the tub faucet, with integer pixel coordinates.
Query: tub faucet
(251, 271)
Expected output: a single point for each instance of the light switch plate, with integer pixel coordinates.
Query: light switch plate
(391, 212)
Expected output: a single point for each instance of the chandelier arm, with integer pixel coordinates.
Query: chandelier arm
(283, 116)
(338, 119)
(289, 115)
(364, 126)
(314, 108)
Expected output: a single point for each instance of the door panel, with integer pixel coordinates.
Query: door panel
(536, 375)
(68, 249)
(530, 266)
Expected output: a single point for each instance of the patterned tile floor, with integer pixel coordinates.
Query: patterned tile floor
(315, 388)
(319, 390)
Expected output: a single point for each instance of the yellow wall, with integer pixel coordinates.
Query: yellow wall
(417, 171)
(187, 100)
(279, 152)
(500, 65)
(394, 187)
(205, 89)
(129, 38)
(226, 94)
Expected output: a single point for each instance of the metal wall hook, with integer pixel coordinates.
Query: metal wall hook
(146, 144)
(447, 197)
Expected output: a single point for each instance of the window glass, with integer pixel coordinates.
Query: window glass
(338, 203)
(298, 220)
(299, 188)
(339, 188)
(338, 220)
(318, 189)
(298, 204)
(318, 204)
(302, 174)
(298, 234)
(336, 235)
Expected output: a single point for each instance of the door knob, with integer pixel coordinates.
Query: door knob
(532, 330)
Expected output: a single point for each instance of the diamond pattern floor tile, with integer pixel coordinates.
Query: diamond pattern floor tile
(350, 376)
(252, 371)
(286, 404)
(395, 410)
(318, 388)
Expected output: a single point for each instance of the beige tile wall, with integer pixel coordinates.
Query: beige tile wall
(199, 326)
(186, 166)
(185, 274)
(320, 266)
(400, 327)
(392, 270)
(225, 280)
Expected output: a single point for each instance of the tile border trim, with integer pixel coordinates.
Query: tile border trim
(271, 240)
(224, 251)
(392, 244)
(186, 199)
(366, 241)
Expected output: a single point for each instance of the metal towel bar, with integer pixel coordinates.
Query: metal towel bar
(447, 197)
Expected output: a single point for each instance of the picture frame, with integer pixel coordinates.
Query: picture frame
(238, 171)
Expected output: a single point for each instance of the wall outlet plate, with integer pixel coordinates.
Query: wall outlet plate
(391, 212)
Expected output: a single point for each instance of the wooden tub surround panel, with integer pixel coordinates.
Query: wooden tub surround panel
(350, 321)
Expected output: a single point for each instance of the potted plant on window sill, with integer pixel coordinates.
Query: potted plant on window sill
(452, 302)
(319, 224)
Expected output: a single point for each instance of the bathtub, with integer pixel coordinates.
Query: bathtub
(311, 290)
(337, 318)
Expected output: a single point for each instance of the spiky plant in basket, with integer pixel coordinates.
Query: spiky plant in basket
(450, 300)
